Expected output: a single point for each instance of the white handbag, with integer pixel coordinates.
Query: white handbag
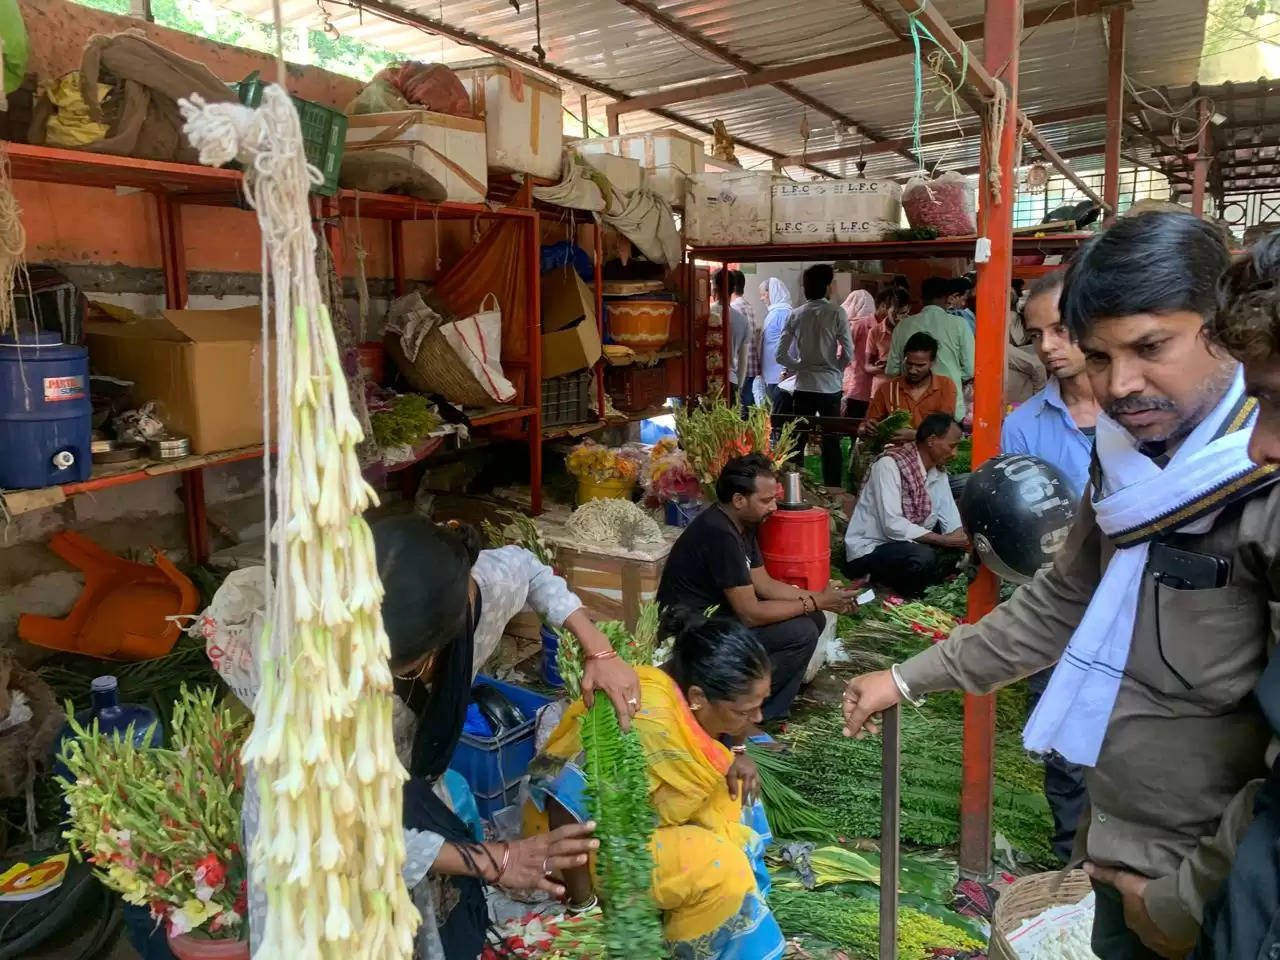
(477, 340)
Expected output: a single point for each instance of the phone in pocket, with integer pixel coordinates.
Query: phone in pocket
(1186, 570)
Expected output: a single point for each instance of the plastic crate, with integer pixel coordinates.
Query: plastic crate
(637, 388)
(324, 131)
(566, 400)
(494, 766)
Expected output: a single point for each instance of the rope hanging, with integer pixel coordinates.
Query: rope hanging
(13, 245)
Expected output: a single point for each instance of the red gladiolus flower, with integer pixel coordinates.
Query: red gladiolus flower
(894, 601)
(939, 635)
(162, 877)
(211, 871)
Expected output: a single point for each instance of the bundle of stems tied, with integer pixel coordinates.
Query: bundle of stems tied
(616, 771)
(867, 449)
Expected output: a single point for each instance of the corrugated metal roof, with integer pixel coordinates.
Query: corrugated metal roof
(1062, 64)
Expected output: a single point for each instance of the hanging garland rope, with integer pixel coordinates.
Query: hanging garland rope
(13, 245)
(994, 114)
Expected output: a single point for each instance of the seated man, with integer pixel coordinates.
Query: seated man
(717, 563)
(906, 515)
(919, 390)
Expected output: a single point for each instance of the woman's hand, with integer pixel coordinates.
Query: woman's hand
(617, 681)
(533, 859)
(743, 779)
(612, 676)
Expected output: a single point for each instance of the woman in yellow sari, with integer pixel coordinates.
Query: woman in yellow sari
(709, 876)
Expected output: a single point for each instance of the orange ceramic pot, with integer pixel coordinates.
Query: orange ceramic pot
(192, 948)
(642, 325)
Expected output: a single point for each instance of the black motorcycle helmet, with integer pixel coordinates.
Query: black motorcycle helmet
(1017, 510)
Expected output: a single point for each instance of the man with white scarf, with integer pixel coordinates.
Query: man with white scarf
(1158, 606)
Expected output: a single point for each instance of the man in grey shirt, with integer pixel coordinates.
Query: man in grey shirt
(818, 334)
(739, 327)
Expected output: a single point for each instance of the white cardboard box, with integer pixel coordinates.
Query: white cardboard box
(667, 157)
(864, 209)
(522, 117)
(622, 172)
(449, 149)
(733, 207)
(800, 212)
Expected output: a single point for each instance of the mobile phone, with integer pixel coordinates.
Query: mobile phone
(1187, 570)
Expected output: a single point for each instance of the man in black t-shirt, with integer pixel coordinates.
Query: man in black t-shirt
(716, 563)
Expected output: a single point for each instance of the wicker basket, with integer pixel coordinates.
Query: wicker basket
(1030, 897)
(438, 369)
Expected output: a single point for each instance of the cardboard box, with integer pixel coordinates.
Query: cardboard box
(570, 340)
(571, 349)
(450, 150)
(565, 300)
(204, 368)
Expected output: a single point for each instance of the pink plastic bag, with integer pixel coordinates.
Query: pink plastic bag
(946, 204)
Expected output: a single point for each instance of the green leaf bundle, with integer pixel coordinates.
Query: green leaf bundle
(867, 449)
(790, 815)
(618, 799)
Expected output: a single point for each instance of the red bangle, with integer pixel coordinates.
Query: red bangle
(607, 655)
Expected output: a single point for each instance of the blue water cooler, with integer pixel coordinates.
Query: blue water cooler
(46, 418)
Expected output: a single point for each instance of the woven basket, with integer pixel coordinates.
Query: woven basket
(438, 369)
(1030, 897)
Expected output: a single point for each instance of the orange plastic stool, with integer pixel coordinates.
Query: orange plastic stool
(121, 613)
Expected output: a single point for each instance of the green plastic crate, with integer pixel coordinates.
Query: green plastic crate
(324, 131)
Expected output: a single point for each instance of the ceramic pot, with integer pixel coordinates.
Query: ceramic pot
(187, 947)
(642, 325)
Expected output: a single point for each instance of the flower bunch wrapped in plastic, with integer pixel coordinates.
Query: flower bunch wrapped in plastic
(162, 826)
(592, 461)
(668, 478)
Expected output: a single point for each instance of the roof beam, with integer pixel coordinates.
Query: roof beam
(1052, 13)
(718, 50)
(431, 25)
(1061, 115)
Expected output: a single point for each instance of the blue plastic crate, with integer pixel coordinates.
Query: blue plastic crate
(493, 766)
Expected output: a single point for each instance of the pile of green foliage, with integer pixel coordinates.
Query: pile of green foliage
(410, 418)
(841, 776)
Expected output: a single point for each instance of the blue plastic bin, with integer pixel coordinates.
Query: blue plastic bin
(550, 651)
(683, 514)
(494, 766)
(45, 413)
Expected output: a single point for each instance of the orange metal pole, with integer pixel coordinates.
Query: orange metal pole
(1115, 108)
(1000, 53)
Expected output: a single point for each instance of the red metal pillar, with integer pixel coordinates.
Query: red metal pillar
(597, 280)
(173, 260)
(1115, 107)
(1204, 152)
(1000, 53)
(397, 257)
(533, 371)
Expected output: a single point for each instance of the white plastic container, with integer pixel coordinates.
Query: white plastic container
(800, 212)
(863, 210)
(669, 158)
(450, 150)
(734, 207)
(521, 114)
(622, 172)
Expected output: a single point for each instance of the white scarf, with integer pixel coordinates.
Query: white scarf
(1137, 502)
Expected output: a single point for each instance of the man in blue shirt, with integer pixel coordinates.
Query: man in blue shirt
(1057, 423)
(1057, 426)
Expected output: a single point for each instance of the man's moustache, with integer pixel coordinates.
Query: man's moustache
(1139, 405)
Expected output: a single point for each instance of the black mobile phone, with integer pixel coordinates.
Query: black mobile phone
(1186, 570)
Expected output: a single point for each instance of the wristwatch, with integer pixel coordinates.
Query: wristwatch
(903, 689)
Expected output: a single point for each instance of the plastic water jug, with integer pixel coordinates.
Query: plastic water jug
(45, 412)
(113, 719)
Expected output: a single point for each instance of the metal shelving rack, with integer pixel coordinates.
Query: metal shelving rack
(173, 185)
